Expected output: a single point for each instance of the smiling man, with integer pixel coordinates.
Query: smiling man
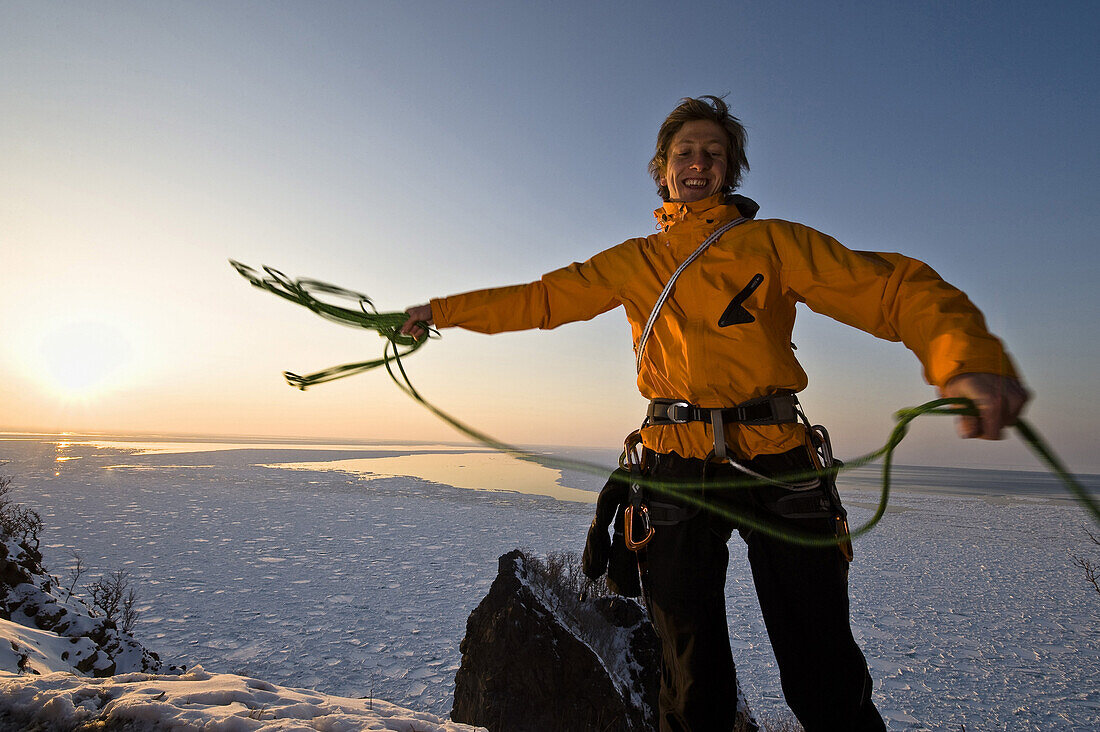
(711, 302)
(696, 167)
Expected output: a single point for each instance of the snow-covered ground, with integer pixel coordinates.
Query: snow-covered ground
(967, 605)
(196, 700)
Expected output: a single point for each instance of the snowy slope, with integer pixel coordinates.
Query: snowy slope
(43, 686)
(196, 700)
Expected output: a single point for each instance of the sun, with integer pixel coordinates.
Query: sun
(82, 359)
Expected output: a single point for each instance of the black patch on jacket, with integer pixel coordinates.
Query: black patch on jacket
(735, 313)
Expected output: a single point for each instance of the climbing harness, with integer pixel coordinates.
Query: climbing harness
(781, 408)
(388, 325)
(773, 409)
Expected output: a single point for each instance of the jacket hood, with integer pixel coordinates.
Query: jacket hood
(671, 212)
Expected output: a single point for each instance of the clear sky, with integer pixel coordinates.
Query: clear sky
(414, 149)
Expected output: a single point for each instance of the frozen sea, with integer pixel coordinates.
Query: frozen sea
(351, 569)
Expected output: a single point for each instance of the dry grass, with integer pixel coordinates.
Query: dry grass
(780, 723)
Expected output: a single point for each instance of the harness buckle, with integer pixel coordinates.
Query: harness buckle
(672, 411)
(785, 410)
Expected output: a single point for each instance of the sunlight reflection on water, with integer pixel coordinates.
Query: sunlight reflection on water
(473, 470)
(167, 448)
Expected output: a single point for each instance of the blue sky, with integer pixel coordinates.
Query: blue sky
(416, 149)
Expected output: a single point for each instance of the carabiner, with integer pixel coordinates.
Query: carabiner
(844, 537)
(628, 529)
(632, 457)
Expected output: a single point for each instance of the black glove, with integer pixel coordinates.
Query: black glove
(597, 548)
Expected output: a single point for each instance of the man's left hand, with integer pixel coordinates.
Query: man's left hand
(999, 400)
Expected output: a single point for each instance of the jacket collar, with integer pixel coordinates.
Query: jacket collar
(718, 207)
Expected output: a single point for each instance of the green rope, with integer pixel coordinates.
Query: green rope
(388, 326)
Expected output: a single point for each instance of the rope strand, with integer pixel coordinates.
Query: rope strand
(388, 326)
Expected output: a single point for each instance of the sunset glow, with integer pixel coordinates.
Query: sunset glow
(390, 151)
(82, 360)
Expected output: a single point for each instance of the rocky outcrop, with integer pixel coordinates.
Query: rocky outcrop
(538, 658)
(30, 597)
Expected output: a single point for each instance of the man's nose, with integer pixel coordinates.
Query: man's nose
(700, 162)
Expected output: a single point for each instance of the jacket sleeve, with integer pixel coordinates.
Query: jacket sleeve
(577, 292)
(893, 297)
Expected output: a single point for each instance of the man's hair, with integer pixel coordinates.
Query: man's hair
(712, 109)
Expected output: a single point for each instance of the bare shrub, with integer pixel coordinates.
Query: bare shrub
(561, 572)
(113, 596)
(1092, 571)
(75, 572)
(17, 521)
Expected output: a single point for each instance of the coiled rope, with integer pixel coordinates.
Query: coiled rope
(305, 292)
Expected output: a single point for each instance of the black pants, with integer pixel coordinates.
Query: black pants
(803, 595)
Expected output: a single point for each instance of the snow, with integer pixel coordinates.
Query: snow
(45, 652)
(200, 700)
(966, 603)
(611, 649)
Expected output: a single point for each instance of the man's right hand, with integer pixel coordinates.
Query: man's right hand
(999, 400)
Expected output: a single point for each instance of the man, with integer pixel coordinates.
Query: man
(715, 359)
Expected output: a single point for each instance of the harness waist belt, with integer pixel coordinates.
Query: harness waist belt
(773, 409)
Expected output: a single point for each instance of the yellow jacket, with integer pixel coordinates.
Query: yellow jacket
(690, 357)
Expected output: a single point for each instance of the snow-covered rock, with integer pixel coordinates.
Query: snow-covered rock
(533, 660)
(64, 669)
(45, 629)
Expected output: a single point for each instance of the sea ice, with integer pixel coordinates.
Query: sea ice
(962, 608)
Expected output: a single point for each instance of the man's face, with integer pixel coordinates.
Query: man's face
(697, 161)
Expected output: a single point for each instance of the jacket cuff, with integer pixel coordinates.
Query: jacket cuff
(1001, 367)
(439, 320)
